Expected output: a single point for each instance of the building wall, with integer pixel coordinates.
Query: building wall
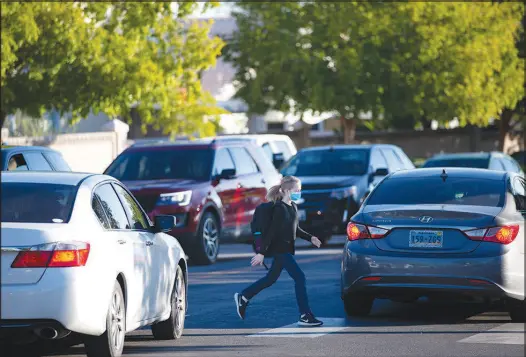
(424, 144)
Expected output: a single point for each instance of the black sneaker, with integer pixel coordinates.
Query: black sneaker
(241, 305)
(308, 320)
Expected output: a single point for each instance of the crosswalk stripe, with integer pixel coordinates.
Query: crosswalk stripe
(508, 334)
(330, 325)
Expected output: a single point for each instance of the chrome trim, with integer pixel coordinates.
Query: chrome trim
(14, 249)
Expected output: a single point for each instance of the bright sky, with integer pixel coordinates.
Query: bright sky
(223, 10)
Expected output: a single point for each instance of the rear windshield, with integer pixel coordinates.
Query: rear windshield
(37, 203)
(191, 164)
(466, 162)
(454, 191)
(339, 162)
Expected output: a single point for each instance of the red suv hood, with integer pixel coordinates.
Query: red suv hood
(162, 185)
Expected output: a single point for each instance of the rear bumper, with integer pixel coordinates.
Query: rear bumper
(68, 296)
(365, 269)
(12, 329)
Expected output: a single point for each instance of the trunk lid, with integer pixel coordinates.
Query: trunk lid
(429, 228)
(21, 236)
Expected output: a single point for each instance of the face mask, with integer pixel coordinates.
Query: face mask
(295, 196)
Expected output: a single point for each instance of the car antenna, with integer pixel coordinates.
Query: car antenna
(444, 175)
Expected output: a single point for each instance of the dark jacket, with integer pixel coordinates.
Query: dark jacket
(283, 230)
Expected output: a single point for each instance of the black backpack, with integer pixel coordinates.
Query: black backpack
(261, 221)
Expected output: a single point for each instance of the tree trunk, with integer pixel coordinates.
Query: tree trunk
(3, 117)
(305, 133)
(348, 129)
(504, 127)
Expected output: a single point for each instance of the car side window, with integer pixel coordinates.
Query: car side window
(245, 164)
(496, 164)
(519, 188)
(377, 160)
(284, 148)
(268, 151)
(223, 161)
(112, 207)
(393, 162)
(37, 161)
(57, 161)
(406, 161)
(97, 207)
(17, 162)
(134, 211)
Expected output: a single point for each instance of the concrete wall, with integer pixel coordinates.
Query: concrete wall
(423, 144)
(84, 152)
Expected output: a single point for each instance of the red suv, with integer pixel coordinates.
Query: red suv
(212, 188)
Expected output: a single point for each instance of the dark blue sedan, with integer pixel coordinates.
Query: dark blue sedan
(32, 158)
(438, 233)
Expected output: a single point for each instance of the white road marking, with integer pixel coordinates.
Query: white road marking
(507, 334)
(293, 331)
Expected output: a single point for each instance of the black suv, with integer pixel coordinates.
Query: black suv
(336, 180)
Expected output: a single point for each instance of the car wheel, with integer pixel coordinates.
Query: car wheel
(358, 305)
(517, 310)
(172, 328)
(206, 247)
(111, 342)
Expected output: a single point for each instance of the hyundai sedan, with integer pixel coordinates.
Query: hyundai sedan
(79, 255)
(438, 233)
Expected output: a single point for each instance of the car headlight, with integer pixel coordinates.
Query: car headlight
(180, 198)
(345, 192)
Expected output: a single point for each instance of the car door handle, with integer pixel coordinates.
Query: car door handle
(149, 243)
(121, 241)
(263, 181)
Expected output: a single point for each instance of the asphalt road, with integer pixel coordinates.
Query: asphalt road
(394, 329)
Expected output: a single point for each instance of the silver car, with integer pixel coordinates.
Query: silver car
(438, 233)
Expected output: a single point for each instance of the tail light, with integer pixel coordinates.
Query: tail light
(357, 231)
(502, 235)
(53, 255)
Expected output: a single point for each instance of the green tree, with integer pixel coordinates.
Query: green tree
(405, 62)
(109, 57)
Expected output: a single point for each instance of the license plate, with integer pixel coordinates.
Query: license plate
(302, 215)
(426, 239)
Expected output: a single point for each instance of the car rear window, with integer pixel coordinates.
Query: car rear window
(467, 162)
(37, 202)
(427, 190)
(141, 165)
(339, 162)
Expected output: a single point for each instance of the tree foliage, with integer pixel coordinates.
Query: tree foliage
(416, 61)
(109, 57)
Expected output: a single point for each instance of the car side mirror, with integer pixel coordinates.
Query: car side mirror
(164, 223)
(278, 160)
(378, 173)
(227, 174)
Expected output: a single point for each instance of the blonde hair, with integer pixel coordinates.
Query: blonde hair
(277, 192)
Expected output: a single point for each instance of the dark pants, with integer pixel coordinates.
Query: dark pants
(280, 262)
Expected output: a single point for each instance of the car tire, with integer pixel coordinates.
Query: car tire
(358, 305)
(517, 310)
(111, 342)
(206, 245)
(172, 328)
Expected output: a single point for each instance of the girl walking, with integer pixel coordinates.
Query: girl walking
(278, 243)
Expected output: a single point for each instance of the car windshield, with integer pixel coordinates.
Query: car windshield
(338, 162)
(141, 165)
(435, 191)
(37, 202)
(475, 163)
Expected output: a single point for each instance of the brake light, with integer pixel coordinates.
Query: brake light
(53, 255)
(502, 235)
(357, 231)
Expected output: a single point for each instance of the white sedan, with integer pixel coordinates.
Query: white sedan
(80, 255)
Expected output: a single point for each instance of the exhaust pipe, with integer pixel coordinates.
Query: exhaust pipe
(47, 333)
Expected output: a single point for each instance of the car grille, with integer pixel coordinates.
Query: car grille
(147, 201)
